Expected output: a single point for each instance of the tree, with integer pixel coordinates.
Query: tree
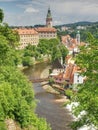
(87, 95)
(56, 54)
(11, 36)
(17, 99)
(63, 51)
(1, 15)
(27, 61)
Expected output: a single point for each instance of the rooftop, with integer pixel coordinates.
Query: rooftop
(26, 31)
(45, 29)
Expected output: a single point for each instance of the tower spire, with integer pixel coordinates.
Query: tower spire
(49, 18)
(78, 37)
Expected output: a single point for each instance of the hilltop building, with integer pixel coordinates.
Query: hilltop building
(49, 19)
(32, 35)
(48, 31)
(78, 37)
(27, 36)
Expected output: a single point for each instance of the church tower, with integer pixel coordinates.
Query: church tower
(78, 37)
(49, 19)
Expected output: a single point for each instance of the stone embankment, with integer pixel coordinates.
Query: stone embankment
(49, 89)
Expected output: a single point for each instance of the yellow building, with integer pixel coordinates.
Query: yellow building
(46, 32)
(27, 36)
(32, 35)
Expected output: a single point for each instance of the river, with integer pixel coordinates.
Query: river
(49, 105)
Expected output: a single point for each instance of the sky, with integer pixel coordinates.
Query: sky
(32, 12)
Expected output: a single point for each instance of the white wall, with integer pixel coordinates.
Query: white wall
(78, 79)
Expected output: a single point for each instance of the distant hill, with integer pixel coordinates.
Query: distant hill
(81, 23)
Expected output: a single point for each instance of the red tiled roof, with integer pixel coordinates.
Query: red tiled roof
(68, 72)
(68, 75)
(45, 29)
(26, 31)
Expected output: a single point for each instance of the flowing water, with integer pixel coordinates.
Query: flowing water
(48, 105)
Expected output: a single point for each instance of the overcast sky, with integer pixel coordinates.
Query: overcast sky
(31, 12)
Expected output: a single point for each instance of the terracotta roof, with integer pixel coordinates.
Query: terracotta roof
(70, 70)
(45, 29)
(67, 58)
(26, 31)
(68, 73)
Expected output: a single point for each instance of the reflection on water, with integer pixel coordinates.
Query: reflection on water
(58, 117)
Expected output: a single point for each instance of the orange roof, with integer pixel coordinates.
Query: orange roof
(26, 31)
(67, 58)
(68, 73)
(45, 29)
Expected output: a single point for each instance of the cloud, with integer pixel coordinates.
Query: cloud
(63, 11)
(28, 7)
(31, 10)
(57, 22)
(7, 0)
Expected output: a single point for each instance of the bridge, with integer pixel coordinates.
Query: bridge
(39, 80)
(56, 87)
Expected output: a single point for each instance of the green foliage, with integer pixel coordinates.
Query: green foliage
(56, 54)
(64, 52)
(69, 93)
(1, 15)
(16, 97)
(11, 36)
(8, 56)
(2, 126)
(27, 61)
(16, 94)
(87, 95)
(51, 81)
(46, 48)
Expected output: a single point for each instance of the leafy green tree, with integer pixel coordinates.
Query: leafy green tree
(1, 15)
(27, 61)
(16, 94)
(87, 94)
(43, 46)
(11, 36)
(63, 51)
(56, 54)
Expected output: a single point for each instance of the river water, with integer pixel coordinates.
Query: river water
(48, 106)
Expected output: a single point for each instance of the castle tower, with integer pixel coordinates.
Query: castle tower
(78, 37)
(49, 18)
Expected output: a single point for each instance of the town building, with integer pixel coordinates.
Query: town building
(69, 77)
(70, 43)
(49, 19)
(46, 32)
(27, 36)
(78, 38)
(32, 35)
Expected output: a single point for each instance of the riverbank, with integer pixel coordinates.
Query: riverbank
(49, 106)
(21, 67)
(50, 89)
